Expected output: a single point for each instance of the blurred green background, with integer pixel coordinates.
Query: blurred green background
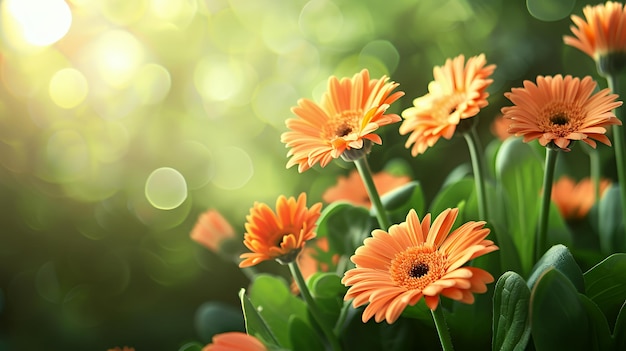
(122, 121)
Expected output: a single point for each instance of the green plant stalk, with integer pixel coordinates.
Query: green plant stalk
(544, 211)
(618, 138)
(595, 172)
(479, 178)
(313, 308)
(442, 329)
(343, 314)
(366, 174)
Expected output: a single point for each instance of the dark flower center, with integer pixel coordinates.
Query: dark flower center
(344, 130)
(418, 270)
(559, 119)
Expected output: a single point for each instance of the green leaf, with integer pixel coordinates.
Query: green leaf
(255, 325)
(191, 346)
(345, 226)
(303, 336)
(599, 328)
(215, 317)
(419, 311)
(558, 318)
(399, 201)
(460, 194)
(326, 285)
(610, 223)
(519, 175)
(511, 321)
(619, 334)
(558, 257)
(606, 285)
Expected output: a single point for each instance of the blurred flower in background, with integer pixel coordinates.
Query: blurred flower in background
(575, 199)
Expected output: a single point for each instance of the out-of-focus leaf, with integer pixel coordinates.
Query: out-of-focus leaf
(606, 285)
(511, 320)
(399, 201)
(599, 328)
(345, 226)
(303, 336)
(418, 311)
(519, 173)
(191, 346)
(610, 222)
(326, 285)
(559, 258)
(216, 317)
(558, 318)
(460, 194)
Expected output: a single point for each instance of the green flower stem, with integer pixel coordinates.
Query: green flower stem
(442, 329)
(595, 172)
(544, 212)
(313, 308)
(479, 178)
(366, 174)
(618, 138)
(343, 314)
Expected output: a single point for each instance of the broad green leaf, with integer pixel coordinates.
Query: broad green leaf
(619, 333)
(558, 257)
(399, 201)
(610, 222)
(191, 346)
(419, 311)
(511, 320)
(326, 285)
(606, 285)
(303, 336)
(345, 226)
(519, 175)
(460, 194)
(599, 328)
(558, 318)
(558, 232)
(275, 303)
(215, 317)
(255, 324)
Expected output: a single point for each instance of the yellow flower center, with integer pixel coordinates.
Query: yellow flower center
(561, 118)
(342, 124)
(444, 106)
(416, 267)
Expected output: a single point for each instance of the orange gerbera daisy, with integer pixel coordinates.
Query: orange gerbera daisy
(234, 341)
(350, 112)
(603, 32)
(211, 230)
(574, 200)
(352, 189)
(458, 92)
(279, 235)
(560, 110)
(415, 260)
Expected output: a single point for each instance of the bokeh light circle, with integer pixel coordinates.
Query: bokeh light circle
(68, 88)
(233, 168)
(166, 188)
(321, 20)
(35, 22)
(549, 11)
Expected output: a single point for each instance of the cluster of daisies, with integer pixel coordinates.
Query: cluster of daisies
(401, 264)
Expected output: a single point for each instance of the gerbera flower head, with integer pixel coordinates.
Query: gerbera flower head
(575, 199)
(234, 341)
(601, 35)
(352, 189)
(351, 111)
(211, 230)
(414, 260)
(458, 92)
(279, 235)
(557, 110)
